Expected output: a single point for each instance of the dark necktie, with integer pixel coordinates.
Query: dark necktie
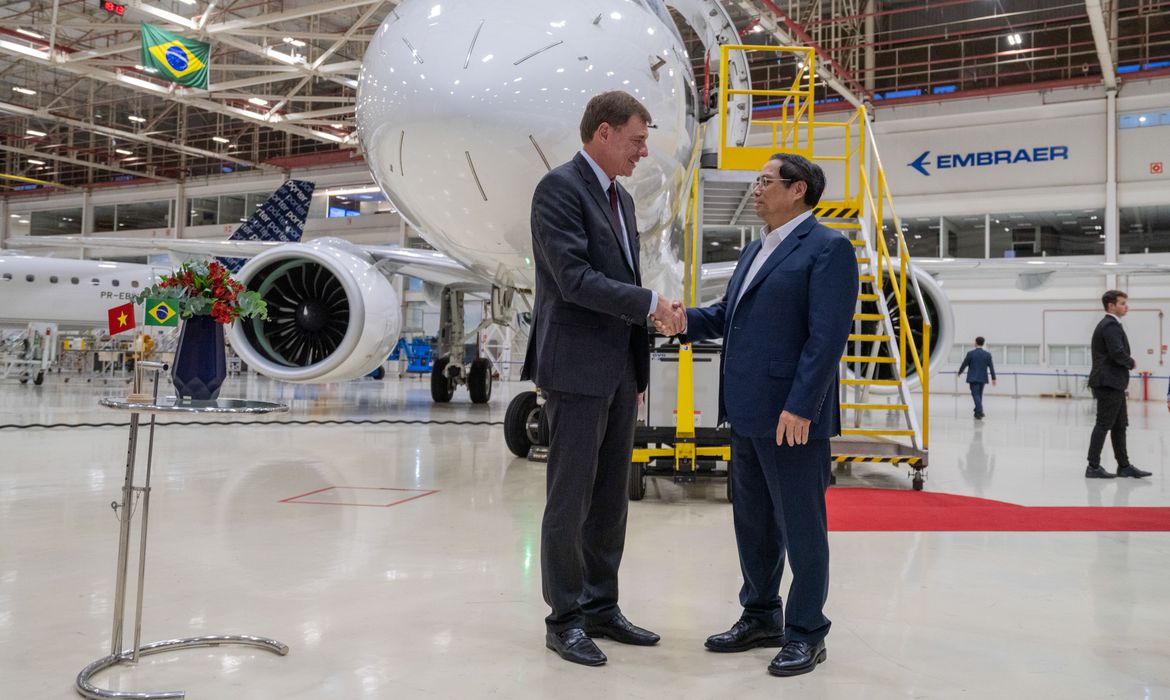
(613, 206)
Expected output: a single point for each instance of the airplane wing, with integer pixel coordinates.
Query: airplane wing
(978, 267)
(427, 265)
(1031, 272)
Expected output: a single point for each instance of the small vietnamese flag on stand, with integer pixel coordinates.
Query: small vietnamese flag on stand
(121, 318)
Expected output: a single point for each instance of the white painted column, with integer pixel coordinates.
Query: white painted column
(870, 56)
(3, 221)
(86, 220)
(179, 225)
(1112, 237)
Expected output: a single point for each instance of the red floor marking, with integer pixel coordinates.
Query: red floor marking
(419, 494)
(874, 510)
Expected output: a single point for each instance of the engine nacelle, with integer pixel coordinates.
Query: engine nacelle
(332, 315)
(942, 326)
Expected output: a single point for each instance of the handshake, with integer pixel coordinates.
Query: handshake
(670, 317)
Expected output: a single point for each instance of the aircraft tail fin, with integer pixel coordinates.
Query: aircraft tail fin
(280, 218)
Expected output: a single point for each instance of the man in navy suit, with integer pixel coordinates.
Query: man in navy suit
(785, 319)
(588, 351)
(978, 363)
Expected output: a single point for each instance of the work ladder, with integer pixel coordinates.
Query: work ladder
(885, 356)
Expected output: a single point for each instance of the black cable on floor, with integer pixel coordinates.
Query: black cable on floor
(349, 421)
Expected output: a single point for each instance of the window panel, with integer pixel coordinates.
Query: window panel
(1145, 229)
(104, 217)
(231, 209)
(139, 215)
(1035, 234)
(965, 236)
(202, 211)
(55, 222)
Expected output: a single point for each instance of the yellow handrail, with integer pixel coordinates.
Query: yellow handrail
(866, 192)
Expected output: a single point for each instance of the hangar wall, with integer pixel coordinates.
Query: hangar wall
(975, 187)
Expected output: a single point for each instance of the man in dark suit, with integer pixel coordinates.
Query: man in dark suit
(785, 319)
(588, 352)
(978, 363)
(1108, 379)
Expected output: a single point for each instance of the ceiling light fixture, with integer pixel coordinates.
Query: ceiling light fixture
(34, 161)
(123, 151)
(337, 125)
(26, 50)
(220, 139)
(353, 190)
(1014, 39)
(24, 91)
(258, 102)
(29, 32)
(282, 57)
(34, 132)
(294, 41)
(136, 119)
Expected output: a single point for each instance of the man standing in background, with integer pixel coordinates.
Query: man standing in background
(978, 363)
(1108, 379)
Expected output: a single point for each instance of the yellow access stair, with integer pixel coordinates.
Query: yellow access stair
(882, 359)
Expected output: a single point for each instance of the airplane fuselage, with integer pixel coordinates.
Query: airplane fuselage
(71, 293)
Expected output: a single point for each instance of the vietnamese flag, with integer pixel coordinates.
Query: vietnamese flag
(121, 318)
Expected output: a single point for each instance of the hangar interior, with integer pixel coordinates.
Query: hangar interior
(393, 542)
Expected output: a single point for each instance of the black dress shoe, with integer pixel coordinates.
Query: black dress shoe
(746, 633)
(574, 645)
(1096, 471)
(797, 658)
(619, 629)
(1132, 471)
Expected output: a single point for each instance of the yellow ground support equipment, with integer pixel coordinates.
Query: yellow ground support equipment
(884, 356)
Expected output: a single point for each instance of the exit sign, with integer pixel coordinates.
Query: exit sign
(112, 7)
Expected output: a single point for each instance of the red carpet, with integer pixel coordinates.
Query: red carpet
(864, 510)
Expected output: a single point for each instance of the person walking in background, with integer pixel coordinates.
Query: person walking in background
(1108, 379)
(978, 364)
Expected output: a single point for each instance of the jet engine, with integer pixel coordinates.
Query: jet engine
(942, 329)
(332, 315)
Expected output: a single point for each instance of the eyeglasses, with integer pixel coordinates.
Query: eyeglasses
(763, 182)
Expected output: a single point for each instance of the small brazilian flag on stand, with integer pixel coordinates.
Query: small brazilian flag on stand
(176, 58)
(161, 312)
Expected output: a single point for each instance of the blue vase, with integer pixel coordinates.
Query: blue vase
(200, 366)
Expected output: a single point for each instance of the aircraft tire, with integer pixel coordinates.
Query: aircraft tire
(516, 433)
(479, 380)
(442, 386)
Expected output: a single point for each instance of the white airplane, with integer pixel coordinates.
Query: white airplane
(76, 294)
(462, 106)
(458, 140)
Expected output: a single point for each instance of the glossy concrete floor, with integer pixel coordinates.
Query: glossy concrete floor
(439, 596)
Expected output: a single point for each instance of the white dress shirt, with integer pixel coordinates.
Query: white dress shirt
(605, 181)
(772, 241)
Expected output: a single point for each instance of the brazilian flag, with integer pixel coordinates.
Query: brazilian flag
(161, 312)
(178, 59)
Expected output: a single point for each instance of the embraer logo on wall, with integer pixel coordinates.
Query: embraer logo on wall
(978, 159)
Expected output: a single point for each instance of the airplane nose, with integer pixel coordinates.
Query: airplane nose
(462, 108)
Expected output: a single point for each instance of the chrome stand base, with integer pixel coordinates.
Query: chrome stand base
(89, 690)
